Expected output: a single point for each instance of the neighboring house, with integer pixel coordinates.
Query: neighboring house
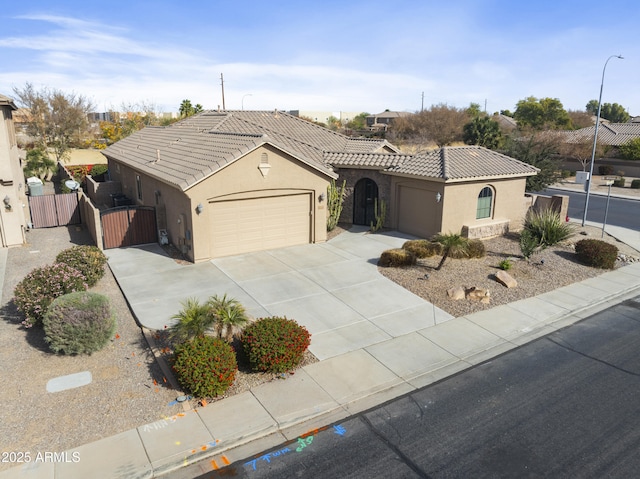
(381, 121)
(230, 182)
(12, 191)
(323, 116)
(610, 134)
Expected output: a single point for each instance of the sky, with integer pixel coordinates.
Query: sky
(339, 56)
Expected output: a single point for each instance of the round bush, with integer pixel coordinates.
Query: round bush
(79, 323)
(89, 260)
(635, 184)
(275, 344)
(205, 367)
(422, 248)
(597, 253)
(34, 294)
(397, 257)
(476, 249)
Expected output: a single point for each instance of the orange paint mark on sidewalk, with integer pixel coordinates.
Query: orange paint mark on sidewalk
(215, 466)
(225, 460)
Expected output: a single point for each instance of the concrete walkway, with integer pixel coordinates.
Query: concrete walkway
(341, 384)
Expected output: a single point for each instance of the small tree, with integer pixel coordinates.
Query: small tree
(483, 131)
(39, 164)
(187, 109)
(631, 149)
(227, 314)
(192, 321)
(452, 244)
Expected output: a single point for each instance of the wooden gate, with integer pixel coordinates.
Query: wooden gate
(54, 210)
(128, 226)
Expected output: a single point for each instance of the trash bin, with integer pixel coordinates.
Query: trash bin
(35, 185)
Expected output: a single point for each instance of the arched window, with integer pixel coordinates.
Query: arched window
(485, 200)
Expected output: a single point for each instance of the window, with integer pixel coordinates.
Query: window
(139, 187)
(485, 199)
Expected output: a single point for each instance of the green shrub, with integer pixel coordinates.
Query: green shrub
(193, 320)
(89, 260)
(397, 257)
(505, 264)
(620, 182)
(275, 344)
(206, 366)
(547, 227)
(99, 169)
(476, 249)
(79, 323)
(34, 294)
(528, 243)
(565, 174)
(635, 184)
(422, 248)
(605, 170)
(597, 253)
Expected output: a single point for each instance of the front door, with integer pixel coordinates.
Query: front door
(365, 196)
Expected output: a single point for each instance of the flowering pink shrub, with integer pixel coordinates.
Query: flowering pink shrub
(34, 294)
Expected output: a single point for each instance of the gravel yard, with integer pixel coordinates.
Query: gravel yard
(122, 394)
(547, 270)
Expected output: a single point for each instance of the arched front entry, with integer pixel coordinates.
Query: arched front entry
(365, 195)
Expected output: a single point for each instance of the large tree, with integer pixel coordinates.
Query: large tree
(483, 131)
(131, 118)
(56, 119)
(581, 150)
(539, 149)
(613, 112)
(543, 114)
(441, 124)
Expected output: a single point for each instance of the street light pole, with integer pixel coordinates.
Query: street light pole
(595, 140)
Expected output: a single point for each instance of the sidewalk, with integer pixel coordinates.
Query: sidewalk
(332, 389)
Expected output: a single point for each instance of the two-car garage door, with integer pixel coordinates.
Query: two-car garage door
(255, 224)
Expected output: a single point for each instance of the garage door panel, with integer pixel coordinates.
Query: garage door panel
(414, 215)
(243, 226)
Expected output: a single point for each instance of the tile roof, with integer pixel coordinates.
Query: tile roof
(462, 163)
(366, 160)
(198, 146)
(614, 134)
(5, 100)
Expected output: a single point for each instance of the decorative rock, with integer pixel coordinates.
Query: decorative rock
(506, 279)
(479, 294)
(456, 293)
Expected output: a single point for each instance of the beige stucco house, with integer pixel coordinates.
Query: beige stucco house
(230, 182)
(13, 209)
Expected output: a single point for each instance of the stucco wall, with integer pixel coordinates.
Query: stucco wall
(13, 221)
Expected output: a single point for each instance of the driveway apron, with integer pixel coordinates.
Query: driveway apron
(333, 289)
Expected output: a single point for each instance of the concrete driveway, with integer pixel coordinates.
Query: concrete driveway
(333, 289)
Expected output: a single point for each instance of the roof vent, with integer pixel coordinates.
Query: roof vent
(157, 156)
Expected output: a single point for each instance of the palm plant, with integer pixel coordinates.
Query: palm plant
(452, 243)
(193, 320)
(228, 314)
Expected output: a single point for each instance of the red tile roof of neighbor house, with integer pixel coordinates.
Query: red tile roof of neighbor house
(450, 163)
(190, 150)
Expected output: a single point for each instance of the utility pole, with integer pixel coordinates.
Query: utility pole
(422, 107)
(222, 83)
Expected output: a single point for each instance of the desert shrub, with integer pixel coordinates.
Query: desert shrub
(34, 294)
(206, 366)
(505, 265)
(228, 315)
(635, 184)
(194, 319)
(605, 170)
(547, 227)
(421, 248)
(99, 169)
(275, 344)
(528, 243)
(597, 253)
(79, 323)
(620, 182)
(89, 260)
(397, 257)
(476, 249)
(565, 174)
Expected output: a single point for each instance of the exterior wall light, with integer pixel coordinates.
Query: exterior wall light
(199, 208)
(321, 197)
(438, 197)
(7, 203)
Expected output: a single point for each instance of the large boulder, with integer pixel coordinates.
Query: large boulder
(506, 279)
(479, 294)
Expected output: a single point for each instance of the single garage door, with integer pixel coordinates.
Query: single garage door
(243, 226)
(415, 214)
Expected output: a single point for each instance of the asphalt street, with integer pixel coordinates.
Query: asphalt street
(623, 212)
(563, 406)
